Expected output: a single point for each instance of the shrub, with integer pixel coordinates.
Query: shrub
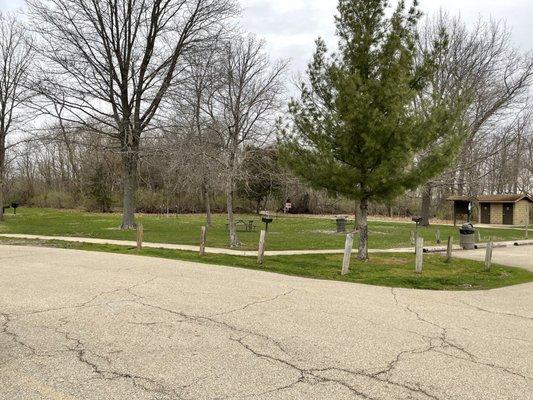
(53, 199)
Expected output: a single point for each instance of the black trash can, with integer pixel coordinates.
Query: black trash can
(341, 224)
(467, 236)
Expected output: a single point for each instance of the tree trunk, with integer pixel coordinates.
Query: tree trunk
(2, 163)
(233, 240)
(207, 205)
(516, 175)
(426, 204)
(357, 213)
(230, 189)
(1, 193)
(129, 164)
(362, 225)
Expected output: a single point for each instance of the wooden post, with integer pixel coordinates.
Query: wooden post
(478, 233)
(449, 249)
(488, 256)
(203, 234)
(347, 254)
(262, 245)
(437, 236)
(140, 236)
(419, 251)
(412, 238)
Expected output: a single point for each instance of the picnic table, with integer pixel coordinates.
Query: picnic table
(246, 225)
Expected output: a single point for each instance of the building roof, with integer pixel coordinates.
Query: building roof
(494, 198)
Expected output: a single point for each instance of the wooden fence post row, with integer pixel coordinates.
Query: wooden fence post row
(348, 246)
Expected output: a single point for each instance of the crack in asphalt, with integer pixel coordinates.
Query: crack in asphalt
(253, 303)
(445, 342)
(205, 318)
(102, 367)
(314, 373)
(304, 373)
(128, 289)
(301, 371)
(141, 382)
(494, 312)
(4, 329)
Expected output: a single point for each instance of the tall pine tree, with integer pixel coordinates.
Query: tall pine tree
(368, 125)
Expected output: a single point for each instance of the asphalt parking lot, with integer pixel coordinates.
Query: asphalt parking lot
(82, 325)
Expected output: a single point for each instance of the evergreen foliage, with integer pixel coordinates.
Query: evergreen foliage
(368, 124)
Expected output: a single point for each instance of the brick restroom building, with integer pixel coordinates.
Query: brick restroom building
(505, 209)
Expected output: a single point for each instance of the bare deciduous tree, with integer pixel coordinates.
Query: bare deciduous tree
(112, 62)
(16, 55)
(242, 108)
(482, 63)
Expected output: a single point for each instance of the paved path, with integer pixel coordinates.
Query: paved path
(216, 250)
(516, 256)
(84, 325)
(185, 247)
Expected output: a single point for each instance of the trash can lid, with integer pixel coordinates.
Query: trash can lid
(467, 228)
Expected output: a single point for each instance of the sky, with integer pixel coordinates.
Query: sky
(290, 27)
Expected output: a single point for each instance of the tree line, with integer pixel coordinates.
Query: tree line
(172, 106)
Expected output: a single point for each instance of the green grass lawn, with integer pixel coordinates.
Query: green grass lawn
(391, 270)
(285, 233)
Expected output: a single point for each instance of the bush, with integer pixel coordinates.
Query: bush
(148, 201)
(99, 194)
(53, 199)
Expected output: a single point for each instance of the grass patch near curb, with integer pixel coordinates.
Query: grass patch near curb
(391, 270)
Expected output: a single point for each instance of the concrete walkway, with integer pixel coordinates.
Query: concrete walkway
(245, 253)
(93, 326)
(516, 256)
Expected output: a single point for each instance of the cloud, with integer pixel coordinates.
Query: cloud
(290, 27)
(7, 5)
(288, 17)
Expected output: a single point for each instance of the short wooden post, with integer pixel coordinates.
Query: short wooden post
(488, 256)
(412, 238)
(437, 236)
(449, 249)
(203, 234)
(140, 236)
(419, 251)
(347, 254)
(262, 245)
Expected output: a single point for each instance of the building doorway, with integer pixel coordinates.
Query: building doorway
(485, 213)
(508, 209)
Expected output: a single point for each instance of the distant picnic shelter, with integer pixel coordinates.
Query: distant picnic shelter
(506, 209)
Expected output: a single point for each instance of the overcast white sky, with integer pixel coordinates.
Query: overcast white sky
(291, 26)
